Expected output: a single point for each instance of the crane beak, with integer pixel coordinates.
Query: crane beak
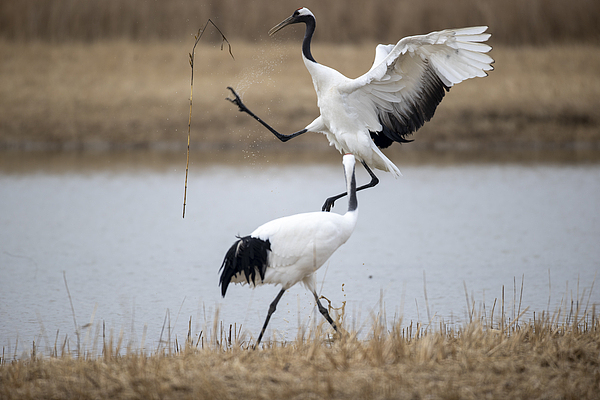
(282, 24)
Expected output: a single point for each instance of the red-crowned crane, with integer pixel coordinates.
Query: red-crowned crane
(291, 249)
(393, 99)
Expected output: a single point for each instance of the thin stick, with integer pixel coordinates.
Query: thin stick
(468, 304)
(72, 310)
(160, 341)
(179, 312)
(192, 55)
(521, 296)
(425, 293)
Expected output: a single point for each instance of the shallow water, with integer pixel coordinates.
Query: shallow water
(113, 228)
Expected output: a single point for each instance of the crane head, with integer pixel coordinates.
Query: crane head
(300, 15)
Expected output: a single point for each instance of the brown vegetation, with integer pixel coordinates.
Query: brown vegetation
(511, 21)
(114, 74)
(122, 94)
(542, 359)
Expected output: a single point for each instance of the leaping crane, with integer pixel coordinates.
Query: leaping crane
(390, 101)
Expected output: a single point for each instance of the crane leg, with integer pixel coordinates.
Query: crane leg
(238, 102)
(272, 309)
(374, 181)
(324, 312)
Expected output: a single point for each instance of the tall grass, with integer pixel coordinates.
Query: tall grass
(506, 316)
(549, 357)
(503, 352)
(511, 21)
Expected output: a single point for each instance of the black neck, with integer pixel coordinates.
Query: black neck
(310, 29)
(352, 199)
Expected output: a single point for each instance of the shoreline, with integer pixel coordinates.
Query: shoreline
(535, 359)
(174, 159)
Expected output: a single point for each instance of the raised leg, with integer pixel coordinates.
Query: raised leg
(324, 312)
(238, 102)
(272, 309)
(374, 181)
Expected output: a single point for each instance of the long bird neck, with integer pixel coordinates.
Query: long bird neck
(308, 34)
(351, 190)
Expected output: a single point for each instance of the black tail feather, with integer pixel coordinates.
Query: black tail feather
(247, 255)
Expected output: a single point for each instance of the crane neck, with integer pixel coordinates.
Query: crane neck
(308, 34)
(351, 190)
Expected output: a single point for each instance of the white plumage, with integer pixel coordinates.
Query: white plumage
(291, 249)
(406, 82)
(394, 98)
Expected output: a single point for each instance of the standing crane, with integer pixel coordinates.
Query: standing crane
(291, 249)
(390, 101)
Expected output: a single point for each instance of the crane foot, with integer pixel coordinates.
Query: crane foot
(237, 101)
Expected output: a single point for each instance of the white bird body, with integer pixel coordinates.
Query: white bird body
(351, 108)
(343, 121)
(301, 244)
(291, 249)
(398, 94)
(298, 245)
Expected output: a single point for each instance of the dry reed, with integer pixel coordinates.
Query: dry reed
(548, 357)
(192, 56)
(511, 21)
(122, 94)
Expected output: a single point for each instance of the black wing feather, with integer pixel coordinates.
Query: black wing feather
(400, 123)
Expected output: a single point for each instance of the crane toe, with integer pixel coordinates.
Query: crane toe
(328, 205)
(236, 100)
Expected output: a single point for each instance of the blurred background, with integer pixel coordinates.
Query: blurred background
(112, 73)
(501, 187)
(514, 22)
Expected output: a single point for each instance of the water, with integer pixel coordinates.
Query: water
(113, 229)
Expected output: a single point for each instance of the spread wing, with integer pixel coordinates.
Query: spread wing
(408, 80)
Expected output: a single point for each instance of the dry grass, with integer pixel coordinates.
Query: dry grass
(541, 359)
(123, 94)
(512, 21)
